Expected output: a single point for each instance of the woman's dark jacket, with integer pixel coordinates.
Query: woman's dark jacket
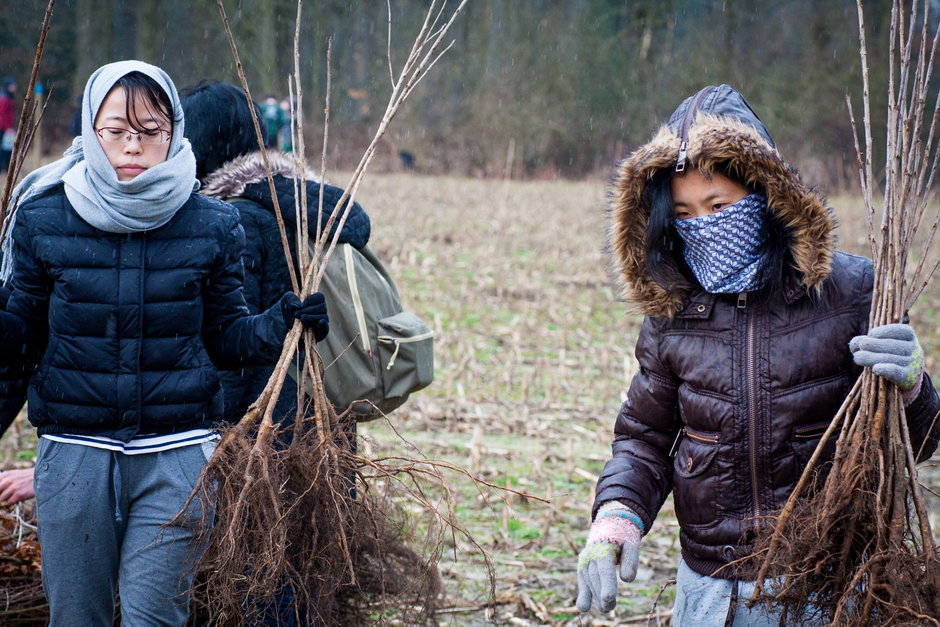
(733, 393)
(14, 380)
(243, 183)
(132, 323)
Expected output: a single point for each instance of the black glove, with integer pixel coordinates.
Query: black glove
(4, 296)
(311, 313)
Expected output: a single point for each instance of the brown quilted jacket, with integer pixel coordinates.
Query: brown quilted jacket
(733, 395)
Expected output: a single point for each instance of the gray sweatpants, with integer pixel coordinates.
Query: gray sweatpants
(711, 602)
(101, 525)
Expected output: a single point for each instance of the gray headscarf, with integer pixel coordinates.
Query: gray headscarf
(148, 201)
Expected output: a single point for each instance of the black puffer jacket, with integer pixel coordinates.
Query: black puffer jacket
(243, 182)
(134, 322)
(733, 395)
(14, 380)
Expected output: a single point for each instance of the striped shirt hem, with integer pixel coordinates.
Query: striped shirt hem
(141, 444)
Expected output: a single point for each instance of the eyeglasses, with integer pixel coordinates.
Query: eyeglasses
(113, 135)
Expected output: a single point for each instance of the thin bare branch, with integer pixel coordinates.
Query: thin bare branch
(264, 153)
(404, 85)
(26, 118)
(388, 44)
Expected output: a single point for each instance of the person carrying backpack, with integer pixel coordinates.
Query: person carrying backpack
(129, 286)
(220, 128)
(221, 131)
(756, 329)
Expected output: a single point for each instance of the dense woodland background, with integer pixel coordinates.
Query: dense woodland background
(532, 88)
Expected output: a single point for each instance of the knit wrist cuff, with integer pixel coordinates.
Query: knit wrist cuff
(616, 508)
(616, 524)
(911, 395)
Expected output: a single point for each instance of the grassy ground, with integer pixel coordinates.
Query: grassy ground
(533, 358)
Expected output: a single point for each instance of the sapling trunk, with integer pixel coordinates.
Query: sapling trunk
(858, 549)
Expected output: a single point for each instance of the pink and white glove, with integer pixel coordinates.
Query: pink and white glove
(614, 538)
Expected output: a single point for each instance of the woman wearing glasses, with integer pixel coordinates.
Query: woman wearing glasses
(127, 288)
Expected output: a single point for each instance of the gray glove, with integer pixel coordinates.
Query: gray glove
(891, 351)
(614, 537)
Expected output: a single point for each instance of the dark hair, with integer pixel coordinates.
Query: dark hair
(665, 262)
(218, 124)
(140, 88)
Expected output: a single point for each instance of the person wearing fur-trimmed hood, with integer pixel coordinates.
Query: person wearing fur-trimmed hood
(755, 329)
(231, 168)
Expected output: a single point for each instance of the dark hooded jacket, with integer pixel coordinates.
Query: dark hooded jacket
(243, 182)
(733, 393)
(132, 324)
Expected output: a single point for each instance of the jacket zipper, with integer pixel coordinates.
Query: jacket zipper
(810, 431)
(700, 437)
(140, 333)
(684, 431)
(684, 129)
(751, 383)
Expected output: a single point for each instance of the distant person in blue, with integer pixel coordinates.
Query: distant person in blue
(287, 138)
(275, 119)
(127, 288)
(75, 126)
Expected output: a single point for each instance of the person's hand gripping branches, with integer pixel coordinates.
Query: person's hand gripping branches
(893, 352)
(311, 312)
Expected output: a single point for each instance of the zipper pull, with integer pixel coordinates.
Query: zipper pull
(742, 300)
(687, 120)
(683, 150)
(675, 444)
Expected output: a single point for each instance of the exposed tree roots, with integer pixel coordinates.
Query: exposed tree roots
(858, 550)
(296, 520)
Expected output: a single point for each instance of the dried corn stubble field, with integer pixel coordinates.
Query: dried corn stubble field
(533, 357)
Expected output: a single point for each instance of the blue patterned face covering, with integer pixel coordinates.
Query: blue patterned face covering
(724, 249)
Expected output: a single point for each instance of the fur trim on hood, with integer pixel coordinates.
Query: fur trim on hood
(231, 179)
(244, 177)
(721, 130)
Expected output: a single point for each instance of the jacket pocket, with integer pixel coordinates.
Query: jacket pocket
(804, 441)
(695, 482)
(42, 372)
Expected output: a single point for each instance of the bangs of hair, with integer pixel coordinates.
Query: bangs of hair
(141, 89)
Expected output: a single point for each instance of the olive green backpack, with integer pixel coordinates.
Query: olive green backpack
(375, 354)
